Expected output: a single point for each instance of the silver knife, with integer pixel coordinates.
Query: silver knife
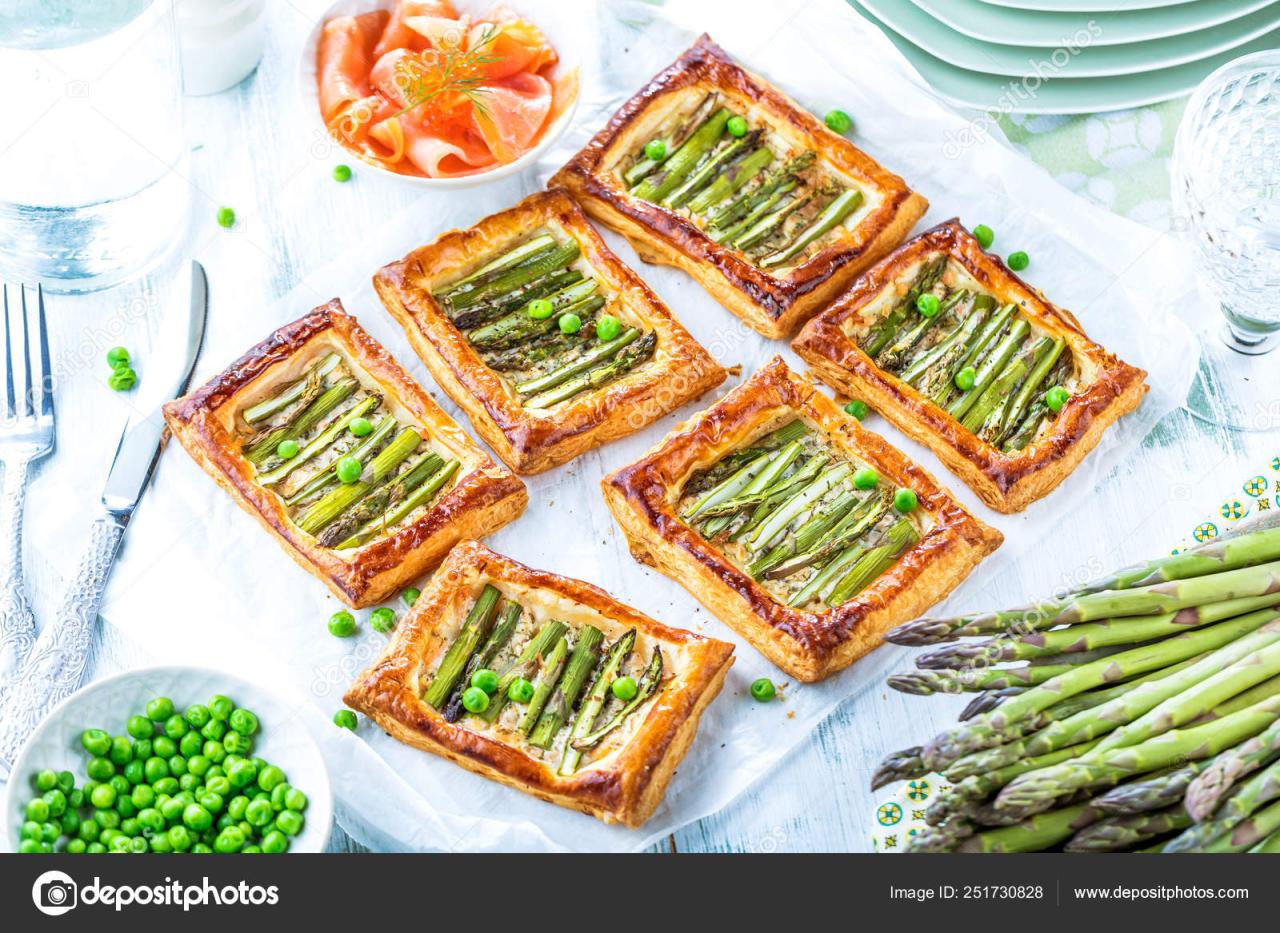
(55, 667)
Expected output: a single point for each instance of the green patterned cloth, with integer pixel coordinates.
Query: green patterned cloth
(1119, 160)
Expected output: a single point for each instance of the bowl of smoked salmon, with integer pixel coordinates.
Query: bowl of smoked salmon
(444, 93)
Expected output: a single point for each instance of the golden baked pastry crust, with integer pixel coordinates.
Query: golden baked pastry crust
(529, 442)
(624, 786)
(482, 498)
(1007, 482)
(773, 305)
(807, 645)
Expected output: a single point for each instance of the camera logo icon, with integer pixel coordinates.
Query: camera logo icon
(55, 893)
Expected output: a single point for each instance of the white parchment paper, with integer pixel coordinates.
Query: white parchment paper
(246, 606)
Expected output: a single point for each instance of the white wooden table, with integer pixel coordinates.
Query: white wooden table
(293, 217)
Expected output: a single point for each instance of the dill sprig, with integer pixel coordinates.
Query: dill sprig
(458, 72)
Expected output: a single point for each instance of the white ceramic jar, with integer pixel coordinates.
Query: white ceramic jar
(221, 42)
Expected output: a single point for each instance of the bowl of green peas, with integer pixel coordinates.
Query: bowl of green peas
(169, 759)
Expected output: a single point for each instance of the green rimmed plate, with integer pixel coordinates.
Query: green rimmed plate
(910, 21)
(1005, 26)
(1060, 95)
(1085, 6)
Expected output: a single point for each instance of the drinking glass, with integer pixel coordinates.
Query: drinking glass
(92, 160)
(1226, 188)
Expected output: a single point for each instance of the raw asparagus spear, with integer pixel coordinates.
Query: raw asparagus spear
(586, 652)
(584, 362)
(1038, 832)
(987, 731)
(362, 452)
(1154, 793)
(334, 503)
(628, 358)
(548, 677)
(524, 665)
(1260, 789)
(658, 184)
(321, 441)
(262, 447)
(594, 700)
(1208, 789)
(474, 628)
(277, 403)
(423, 494)
(1253, 831)
(927, 683)
(649, 684)
(981, 786)
(905, 765)
(503, 629)
(827, 220)
(1117, 833)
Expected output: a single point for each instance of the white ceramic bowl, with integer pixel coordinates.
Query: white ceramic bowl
(108, 703)
(553, 17)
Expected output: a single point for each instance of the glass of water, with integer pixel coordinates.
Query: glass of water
(1226, 189)
(92, 158)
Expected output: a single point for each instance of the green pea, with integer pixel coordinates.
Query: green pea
(211, 801)
(109, 833)
(220, 707)
(66, 781)
(121, 750)
(197, 715)
(1018, 261)
(984, 235)
(175, 727)
(278, 794)
(75, 799)
(29, 847)
(736, 126)
(410, 595)
(159, 709)
(289, 822)
(218, 784)
(226, 217)
(179, 838)
(237, 806)
(156, 769)
(655, 150)
(624, 688)
(46, 780)
(124, 805)
(122, 379)
(230, 839)
(196, 817)
(275, 842)
(270, 777)
(475, 700)
(214, 729)
(163, 747)
(521, 691)
(382, 620)
(1056, 397)
(100, 769)
(570, 323)
(138, 845)
(89, 830)
(30, 830)
(237, 744)
(486, 680)
(108, 819)
(966, 378)
(259, 813)
(143, 796)
(857, 408)
(190, 744)
(50, 832)
(214, 751)
(224, 821)
(56, 800)
(171, 809)
(360, 427)
(342, 173)
(349, 470)
(151, 819)
(540, 309)
(75, 847)
(866, 478)
(342, 624)
(287, 449)
(838, 121)
(295, 800)
(198, 764)
(763, 689)
(120, 783)
(134, 772)
(345, 719)
(242, 774)
(70, 822)
(177, 765)
(103, 798)
(928, 304)
(905, 500)
(608, 327)
(188, 782)
(201, 848)
(95, 742)
(143, 749)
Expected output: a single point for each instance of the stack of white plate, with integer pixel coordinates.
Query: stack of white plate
(1071, 56)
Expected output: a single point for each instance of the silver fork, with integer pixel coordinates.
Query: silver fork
(26, 435)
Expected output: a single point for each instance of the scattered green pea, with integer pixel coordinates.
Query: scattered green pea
(905, 500)
(382, 620)
(857, 408)
(540, 309)
(1018, 261)
(342, 624)
(866, 478)
(117, 357)
(226, 217)
(984, 235)
(410, 595)
(348, 469)
(928, 304)
(520, 691)
(763, 689)
(838, 121)
(655, 149)
(342, 173)
(1056, 397)
(966, 378)
(608, 327)
(570, 323)
(737, 126)
(287, 449)
(122, 379)
(624, 688)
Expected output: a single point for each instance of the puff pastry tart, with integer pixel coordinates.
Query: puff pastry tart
(714, 170)
(536, 329)
(805, 533)
(320, 435)
(964, 357)
(545, 684)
